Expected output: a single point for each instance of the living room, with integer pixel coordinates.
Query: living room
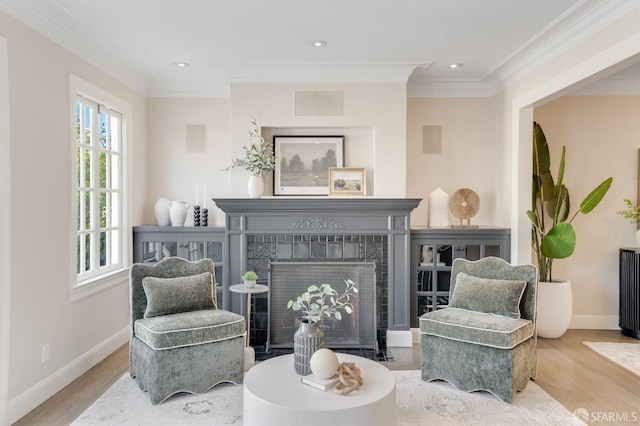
(486, 147)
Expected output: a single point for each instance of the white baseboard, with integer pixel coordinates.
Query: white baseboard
(40, 392)
(415, 336)
(595, 322)
(399, 338)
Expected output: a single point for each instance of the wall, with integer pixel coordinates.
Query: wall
(5, 230)
(613, 47)
(173, 172)
(468, 159)
(601, 135)
(605, 52)
(374, 121)
(379, 107)
(79, 333)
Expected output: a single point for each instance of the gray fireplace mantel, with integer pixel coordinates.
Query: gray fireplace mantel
(326, 216)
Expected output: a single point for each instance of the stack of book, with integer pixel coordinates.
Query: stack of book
(322, 384)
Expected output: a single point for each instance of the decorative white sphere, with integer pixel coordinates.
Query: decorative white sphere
(324, 363)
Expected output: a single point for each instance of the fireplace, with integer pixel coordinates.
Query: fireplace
(288, 280)
(260, 232)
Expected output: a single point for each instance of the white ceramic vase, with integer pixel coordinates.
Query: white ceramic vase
(438, 208)
(255, 186)
(178, 212)
(554, 308)
(638, 237)
(161, 211)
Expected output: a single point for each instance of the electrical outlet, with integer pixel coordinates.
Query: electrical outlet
(45, 353)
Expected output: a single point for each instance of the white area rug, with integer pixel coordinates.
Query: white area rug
(418, 403)
(625, 354)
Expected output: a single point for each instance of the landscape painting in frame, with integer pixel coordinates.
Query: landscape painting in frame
(303, 163)
(347, 181)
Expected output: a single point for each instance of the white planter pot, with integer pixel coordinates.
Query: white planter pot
(554, 308)
(255, 186)
(249, 283)
(638, 237)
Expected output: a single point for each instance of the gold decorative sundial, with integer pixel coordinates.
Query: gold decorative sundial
(464, 204)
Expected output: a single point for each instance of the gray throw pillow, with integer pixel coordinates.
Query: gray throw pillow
(491, 296)
(174, 295)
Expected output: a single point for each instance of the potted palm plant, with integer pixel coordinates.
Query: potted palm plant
(553, 236)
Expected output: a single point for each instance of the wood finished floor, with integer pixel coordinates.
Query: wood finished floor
(569, 371)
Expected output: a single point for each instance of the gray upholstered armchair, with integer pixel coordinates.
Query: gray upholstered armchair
(179, 340)
(486, 338)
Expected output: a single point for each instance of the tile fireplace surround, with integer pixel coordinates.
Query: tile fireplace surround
(322, 229)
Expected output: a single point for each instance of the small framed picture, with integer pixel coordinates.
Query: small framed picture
(347, 181)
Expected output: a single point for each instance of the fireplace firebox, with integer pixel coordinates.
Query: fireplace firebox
(288, 280)
(321, 229)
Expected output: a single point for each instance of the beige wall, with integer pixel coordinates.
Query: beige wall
(173, 172)
(379, 107)
(601, 135)
(470, 156)
(40, 202)
(373, 122)
(599, 55)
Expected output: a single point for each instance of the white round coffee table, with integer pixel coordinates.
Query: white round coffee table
(273, 394)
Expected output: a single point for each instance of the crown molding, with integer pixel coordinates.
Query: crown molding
(189, 89)
(447, 89)
(320, 73)
(626, 85)
(580, 22)
(584, 19)
(86, 44)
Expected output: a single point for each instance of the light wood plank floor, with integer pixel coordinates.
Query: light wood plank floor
(568, 370)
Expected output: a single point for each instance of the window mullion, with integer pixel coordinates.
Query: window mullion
(95, 190)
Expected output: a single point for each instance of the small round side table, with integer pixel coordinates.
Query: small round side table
(249, 352)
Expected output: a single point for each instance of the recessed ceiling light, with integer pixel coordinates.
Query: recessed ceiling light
(318, 43)
(456, 65)
(181, 64)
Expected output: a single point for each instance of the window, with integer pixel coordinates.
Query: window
(99, 185)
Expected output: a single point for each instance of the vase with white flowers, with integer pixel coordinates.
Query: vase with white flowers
(317, 303)
(258, 158)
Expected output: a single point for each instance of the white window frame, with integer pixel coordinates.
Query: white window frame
(87, 284)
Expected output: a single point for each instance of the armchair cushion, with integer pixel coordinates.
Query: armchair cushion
(189, 328)
(490, 296)
(174, 295)
(477, 327)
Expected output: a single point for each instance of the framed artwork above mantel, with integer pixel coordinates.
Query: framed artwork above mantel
(303, 162)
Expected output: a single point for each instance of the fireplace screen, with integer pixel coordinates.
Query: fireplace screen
(288, 280)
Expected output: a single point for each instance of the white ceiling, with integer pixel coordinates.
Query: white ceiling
(224, 41)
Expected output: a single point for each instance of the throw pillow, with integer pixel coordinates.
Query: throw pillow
(491, 296)
(181, 294)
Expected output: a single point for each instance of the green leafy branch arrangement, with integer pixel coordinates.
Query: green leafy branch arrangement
(258, 154)
(632, 212)
(319, 302)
